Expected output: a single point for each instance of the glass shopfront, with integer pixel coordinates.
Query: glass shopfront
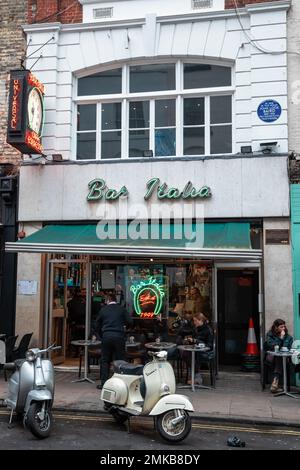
(155, 294)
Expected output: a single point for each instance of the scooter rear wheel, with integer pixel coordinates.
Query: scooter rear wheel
(170, 433)
(39, 428)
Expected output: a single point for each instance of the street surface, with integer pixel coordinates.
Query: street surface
(87, 432)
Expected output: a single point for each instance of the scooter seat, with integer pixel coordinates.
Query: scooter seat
(123, 367)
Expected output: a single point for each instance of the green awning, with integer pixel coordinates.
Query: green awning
(215, 235)
(176, 239)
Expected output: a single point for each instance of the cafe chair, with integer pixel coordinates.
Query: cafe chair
(136, 353)
(20, 351)
(94, 356)
(9, 347)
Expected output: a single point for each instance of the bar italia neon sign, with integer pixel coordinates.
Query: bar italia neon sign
(148, 298)
(98, 190)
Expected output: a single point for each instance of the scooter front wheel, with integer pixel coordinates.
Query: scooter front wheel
(170, 431)
(40, 428)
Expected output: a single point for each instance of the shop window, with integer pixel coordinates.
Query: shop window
(102, 83)
(111, 130)
(193, 126)
(165, 131)
(138, 128)
(206, 76)
(144, 78)
(86, 131)
(166, 118)
(221, 129)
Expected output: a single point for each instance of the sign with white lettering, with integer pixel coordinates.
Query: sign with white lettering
(269, 111)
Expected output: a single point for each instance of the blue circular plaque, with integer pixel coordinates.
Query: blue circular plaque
(269, 111)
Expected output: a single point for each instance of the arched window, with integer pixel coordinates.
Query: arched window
(168, 108)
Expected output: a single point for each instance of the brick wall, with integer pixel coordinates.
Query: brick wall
(41, 11)
(242, 3)
(12, 49)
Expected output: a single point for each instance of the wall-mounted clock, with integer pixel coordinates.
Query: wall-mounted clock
(35, 110)
(25, 112)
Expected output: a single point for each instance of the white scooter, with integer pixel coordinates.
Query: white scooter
(148, 390)
(31, 390)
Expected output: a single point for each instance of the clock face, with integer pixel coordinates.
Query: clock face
(35, 111)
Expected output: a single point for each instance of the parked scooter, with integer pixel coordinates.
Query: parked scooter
(148, 390)
(31, 390)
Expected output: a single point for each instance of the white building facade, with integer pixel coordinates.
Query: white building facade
(180, 91)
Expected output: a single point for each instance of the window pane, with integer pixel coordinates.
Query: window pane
(138, 142)
(165, 142)
(193, 141)
(101, 83)
(138, 114)
(86, 117)
(152, 77)
(111, 116)
(220, 139)
(111, 145)
(165, 113)
(220, 109)
(86, 146)
(193, 111)
(206, 76)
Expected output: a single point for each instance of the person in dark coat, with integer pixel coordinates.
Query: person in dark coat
(76, 315)
(198, 332)
(111, 328)
(277, 336)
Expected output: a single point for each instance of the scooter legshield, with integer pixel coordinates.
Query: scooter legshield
(172, 402)
(115, 391)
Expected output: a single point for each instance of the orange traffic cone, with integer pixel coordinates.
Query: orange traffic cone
(251, 342)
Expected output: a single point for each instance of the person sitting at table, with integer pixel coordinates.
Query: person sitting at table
(197, 332)
(277, 336)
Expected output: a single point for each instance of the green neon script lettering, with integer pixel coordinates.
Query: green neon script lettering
(99, 190)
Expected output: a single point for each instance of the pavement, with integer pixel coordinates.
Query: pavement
(238, 397)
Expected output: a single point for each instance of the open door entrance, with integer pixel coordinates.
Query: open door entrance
(237, 301)
(58, 310)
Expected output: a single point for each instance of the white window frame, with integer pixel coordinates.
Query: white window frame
(179, 94)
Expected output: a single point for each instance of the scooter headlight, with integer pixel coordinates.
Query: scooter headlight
(30, 355)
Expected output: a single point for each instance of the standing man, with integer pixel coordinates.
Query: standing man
(110, 325)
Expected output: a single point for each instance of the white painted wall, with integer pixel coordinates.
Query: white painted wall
(130, 9)
(28, 316)
(81, 49)
(249, 187)
(278, 279)
(294, 76)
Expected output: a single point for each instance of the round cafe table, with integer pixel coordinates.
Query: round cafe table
(82, 343)
(193, 350)
(284, 355)
(162, 345)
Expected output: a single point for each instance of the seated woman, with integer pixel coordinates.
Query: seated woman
(277, 336)
(200, 332)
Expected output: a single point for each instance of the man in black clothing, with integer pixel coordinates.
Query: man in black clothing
(110, 325)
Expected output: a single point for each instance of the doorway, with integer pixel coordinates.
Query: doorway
(67, 280)
(237, 301)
